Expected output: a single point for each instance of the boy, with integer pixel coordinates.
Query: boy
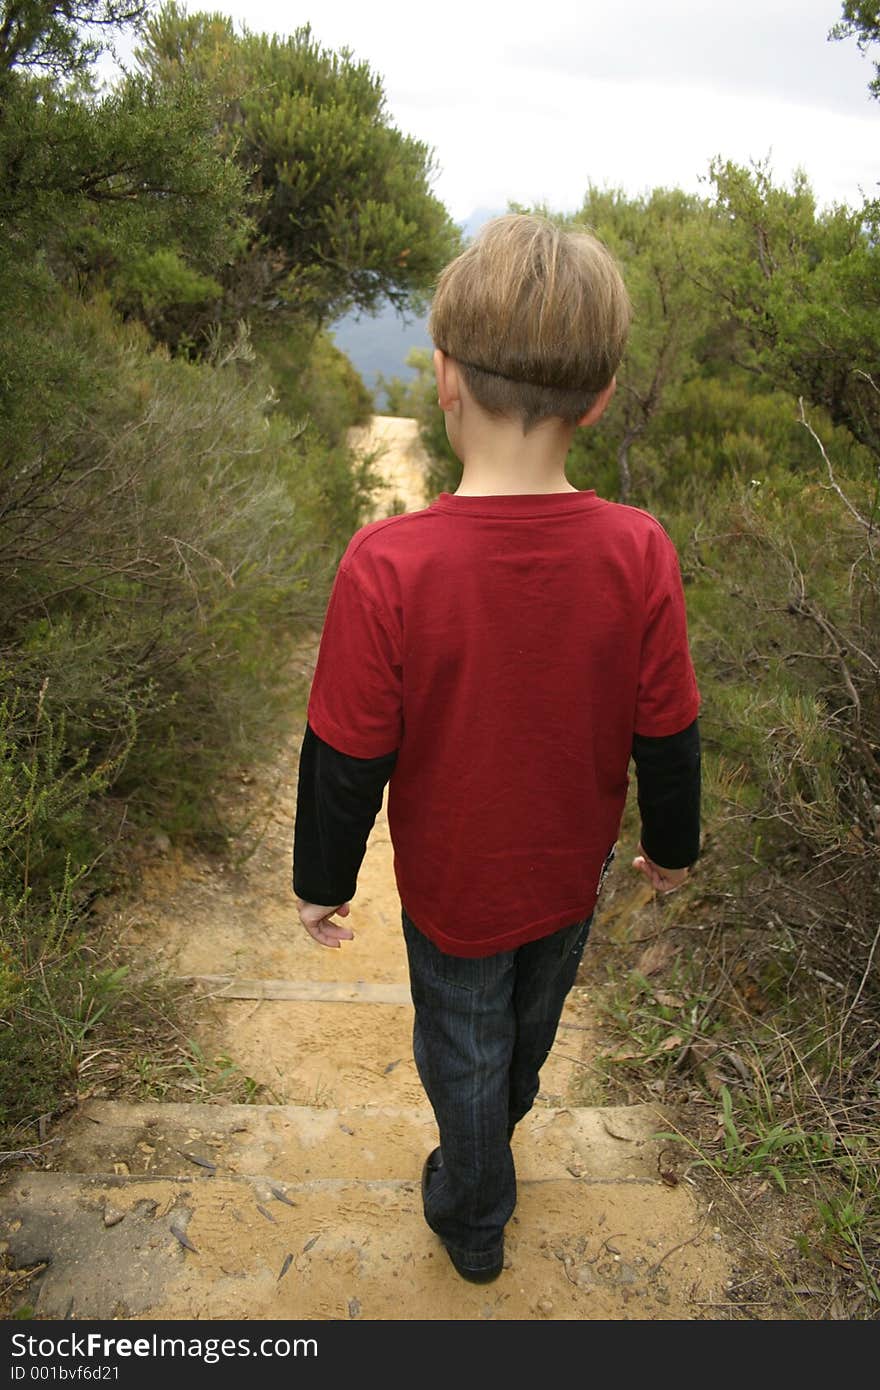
(499, 656)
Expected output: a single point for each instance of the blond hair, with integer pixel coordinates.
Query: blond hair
(536, 317)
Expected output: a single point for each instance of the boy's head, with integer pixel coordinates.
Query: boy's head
(536, 318)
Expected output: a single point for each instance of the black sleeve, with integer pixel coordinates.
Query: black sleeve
(668, 773)
(337, 800)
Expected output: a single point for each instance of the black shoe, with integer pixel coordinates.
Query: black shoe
(481, 1274)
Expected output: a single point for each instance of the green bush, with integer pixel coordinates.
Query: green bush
(178, 527)
(163, 542)
(313, 380)
(48, 989)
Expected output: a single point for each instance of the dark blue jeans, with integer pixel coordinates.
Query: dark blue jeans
(483, 1029)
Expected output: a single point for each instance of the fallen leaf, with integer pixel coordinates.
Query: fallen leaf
(309, 1243)
(739, 1065)
(624, 1138)
(182, 1236)
(669, 1001)
(713, 1079)
(281, 1195)
(392, 1065)
(674, 1040)
(268, 1215)
(653, 958)
(288, 1260)
(202, 1162)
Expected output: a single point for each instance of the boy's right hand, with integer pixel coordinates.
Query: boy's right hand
(661, 880)
(318, 922)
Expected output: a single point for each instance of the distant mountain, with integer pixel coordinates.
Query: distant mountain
(472, 225)
(379, 343)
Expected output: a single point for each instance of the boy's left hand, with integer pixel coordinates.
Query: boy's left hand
(317, 920)
(661, 880)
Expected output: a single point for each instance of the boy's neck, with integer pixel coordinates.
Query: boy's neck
(498, 459)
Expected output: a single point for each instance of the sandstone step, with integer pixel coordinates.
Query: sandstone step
(302, 991)
(298, 1143)
(306, 1052)
(340, 1043)
(142, 1247)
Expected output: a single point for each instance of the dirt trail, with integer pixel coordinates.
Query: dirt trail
(400, 460)
(308, 1207)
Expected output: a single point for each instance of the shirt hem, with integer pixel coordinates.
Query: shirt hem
(504, 941)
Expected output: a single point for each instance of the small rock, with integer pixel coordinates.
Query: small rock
(161, 842)
(545, 1306)
(112, 1215)
(584, 1277)
(577, 1170)
(354, 1307)
(121, 1169)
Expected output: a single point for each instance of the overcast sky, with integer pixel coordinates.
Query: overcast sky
(529, 102)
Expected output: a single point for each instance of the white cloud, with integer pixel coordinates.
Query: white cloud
(529, 104)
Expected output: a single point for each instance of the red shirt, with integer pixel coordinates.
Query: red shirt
(508, 647)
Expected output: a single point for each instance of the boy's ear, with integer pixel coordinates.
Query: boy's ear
(446, 376)
(599, 406)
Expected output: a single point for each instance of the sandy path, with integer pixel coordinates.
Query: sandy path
(400, 459)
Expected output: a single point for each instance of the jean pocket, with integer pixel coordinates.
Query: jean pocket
(461, 972)
(467, 972)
